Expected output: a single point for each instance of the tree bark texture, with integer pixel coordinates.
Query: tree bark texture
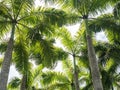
(75, 75)
(97, 83)
(24, 83)
(7, 61)
(6, 66)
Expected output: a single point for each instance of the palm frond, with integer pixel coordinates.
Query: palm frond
(106, 51)
(50, 15)
(45, 53)
(21, 57)
(58, 86)
(19, 6)
(60, 54)
(108, 24)
(36, 75)
(40, 31)
(102, 22)
(116, 11)
(68, 68)
(14, 83)
(66, 38)
(5, 11)
(3, 47)
(54, 79)
(85, 7)
(106, 80)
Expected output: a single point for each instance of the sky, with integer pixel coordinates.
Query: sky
(73, 29)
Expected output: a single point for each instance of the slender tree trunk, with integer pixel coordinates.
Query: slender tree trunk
(112, 87)
(6, 62)
(75, 75)
(97, 84)
(24, 83)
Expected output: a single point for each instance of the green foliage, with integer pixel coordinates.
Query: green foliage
(60, 18)
(38, 25)
(36, 74)
(108, 56)
(47, 54)
(21, 57)
(1, 60)
(84, 7)
(105, 51)
(71, 44)
(14, 83)
(116, 11)
(108, 24)
(3, 47)
(55, 80)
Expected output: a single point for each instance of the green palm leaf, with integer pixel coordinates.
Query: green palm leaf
(14, 83)
(55, 80)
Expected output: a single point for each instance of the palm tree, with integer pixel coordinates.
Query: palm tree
(53, 80)
(83, 64)
(18, 15)
(61, 81)
(22, 62)
(86, 8)
(11, 12)
(108, 52)
(32, 80)
(108, 55)
(47, 80)
(72, 47)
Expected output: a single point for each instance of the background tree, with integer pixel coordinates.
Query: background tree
(10, 14)
(18, 15)
(72, 47)
(85, 9)
(108, 53)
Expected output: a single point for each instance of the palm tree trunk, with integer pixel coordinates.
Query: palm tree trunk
(23, 83)
(6, 62)
(97, 84)
(112, 87)
(75, 75)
